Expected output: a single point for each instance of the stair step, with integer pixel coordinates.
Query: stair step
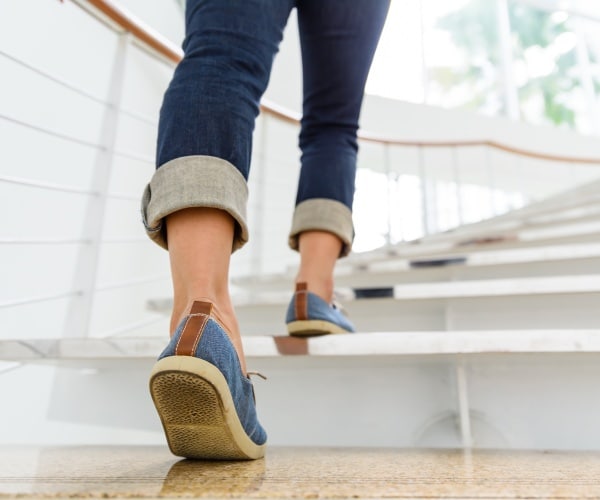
(499, 287)
(577, 202)
(513, 223)
(581, 258)
(504, 304)
(566, 215)
(576, 221)
(481, 252)
(479, 243)
(541, 285)
(358, 344)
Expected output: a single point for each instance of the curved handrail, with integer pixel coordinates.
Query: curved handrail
(151, 38)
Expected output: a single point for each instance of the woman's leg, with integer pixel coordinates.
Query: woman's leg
(338, 43)
(200, 242)
(195, 204)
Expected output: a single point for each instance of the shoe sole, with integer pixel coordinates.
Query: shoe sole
(197, 412)
(312, 327)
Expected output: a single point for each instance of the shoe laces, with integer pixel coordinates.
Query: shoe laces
(337, 305)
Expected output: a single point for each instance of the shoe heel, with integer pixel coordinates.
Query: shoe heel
(197, 412)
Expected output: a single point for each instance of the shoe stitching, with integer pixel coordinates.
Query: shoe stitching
(181, 334)
(215, 314)
(200, 332)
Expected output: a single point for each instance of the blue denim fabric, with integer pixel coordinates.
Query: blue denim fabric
(212, 102)
(318, 309)
(216, 348)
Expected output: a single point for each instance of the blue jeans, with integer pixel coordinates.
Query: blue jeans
(209, 110)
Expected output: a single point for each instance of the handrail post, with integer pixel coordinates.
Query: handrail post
(491, 181)
(388, 175)
(458, 186)
(258, 174)
(462, 390)
(424, 194)
(522, 184)
(78, 317)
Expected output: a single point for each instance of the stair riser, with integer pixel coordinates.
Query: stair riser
(553, 311)
(458, 272)
(537, 401)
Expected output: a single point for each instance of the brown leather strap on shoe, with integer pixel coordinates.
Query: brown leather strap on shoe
(301, 307)
(194, 326)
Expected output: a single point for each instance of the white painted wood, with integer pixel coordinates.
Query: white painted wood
(463, 405)
(535, 401)
(584, 199)
(541, 240)
(456, 342)
(79, 315)
(502, 306)
(487, 288)
(541, 285)
(578, 258)
(374, 344)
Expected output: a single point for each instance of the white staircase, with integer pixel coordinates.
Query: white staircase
(494, 343)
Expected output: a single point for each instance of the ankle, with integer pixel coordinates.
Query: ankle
(319, 251)
(223, 313)
(222, 310)
(322, 287)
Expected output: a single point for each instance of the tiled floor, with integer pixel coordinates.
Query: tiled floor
(150, 472)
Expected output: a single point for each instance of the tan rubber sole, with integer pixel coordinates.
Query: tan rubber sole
(197, 411)
(312, 327)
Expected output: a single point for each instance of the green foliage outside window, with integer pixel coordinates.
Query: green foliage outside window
(474, 31)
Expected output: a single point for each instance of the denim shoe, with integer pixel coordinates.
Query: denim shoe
(205, 403)
(308, 314)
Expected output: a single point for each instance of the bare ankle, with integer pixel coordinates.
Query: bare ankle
(222, 311)
(323, 287)
(319, 251)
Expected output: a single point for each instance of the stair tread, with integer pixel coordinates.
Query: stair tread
(358, 344)
(542, 285)
(456, 258)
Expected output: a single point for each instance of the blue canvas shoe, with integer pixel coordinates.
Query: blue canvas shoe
(205, 403)
(308, 314)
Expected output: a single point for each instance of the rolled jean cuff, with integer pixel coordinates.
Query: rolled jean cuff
(322, 214)
(195, 181)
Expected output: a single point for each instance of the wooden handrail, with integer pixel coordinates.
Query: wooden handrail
(131, 24)
(154, 40)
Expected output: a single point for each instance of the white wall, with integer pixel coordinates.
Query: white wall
(165, 16)
(58, 134)
(65, 134)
